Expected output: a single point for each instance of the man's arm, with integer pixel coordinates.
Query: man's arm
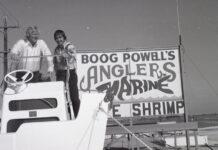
(71, 52)
(15, 55)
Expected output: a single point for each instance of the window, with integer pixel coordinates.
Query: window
(31, 104)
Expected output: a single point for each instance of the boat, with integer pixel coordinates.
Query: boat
(35, 116)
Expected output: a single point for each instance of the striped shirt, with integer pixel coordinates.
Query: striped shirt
(24, 48)
(61, 63)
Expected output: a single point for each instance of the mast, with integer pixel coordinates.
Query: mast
(5, 52)
(181, 66)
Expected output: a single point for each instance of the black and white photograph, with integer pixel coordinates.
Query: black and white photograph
(108, 75)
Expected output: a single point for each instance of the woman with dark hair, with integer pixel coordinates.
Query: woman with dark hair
(65, 64)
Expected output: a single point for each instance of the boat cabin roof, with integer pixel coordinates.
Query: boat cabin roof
(36, 90)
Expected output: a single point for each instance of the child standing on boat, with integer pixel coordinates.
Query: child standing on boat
(65, 66)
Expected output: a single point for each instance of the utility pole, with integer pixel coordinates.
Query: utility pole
(5, 52)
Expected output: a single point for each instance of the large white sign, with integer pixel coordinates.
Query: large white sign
(132, 76)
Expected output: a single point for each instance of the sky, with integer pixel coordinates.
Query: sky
(107, 24)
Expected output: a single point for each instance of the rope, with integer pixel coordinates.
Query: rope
(91, 135)
(209, 146)
(91, 125)
(41, 56)
(202, 75)
(83, 137)
(130, 132)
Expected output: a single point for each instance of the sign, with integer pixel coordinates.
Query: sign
(148, 109)
(132, 76)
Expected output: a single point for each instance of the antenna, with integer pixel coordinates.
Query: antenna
(182, 55)
(5, 52)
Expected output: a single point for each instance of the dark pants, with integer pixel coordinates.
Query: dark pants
(36, 76)
(73, 89)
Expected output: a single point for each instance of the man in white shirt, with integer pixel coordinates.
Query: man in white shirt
(26, 54)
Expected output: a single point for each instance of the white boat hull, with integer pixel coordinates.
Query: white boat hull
(87, 132)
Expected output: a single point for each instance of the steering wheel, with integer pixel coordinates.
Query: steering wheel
(11, 79)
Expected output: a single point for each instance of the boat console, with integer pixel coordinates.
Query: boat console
(35, 116)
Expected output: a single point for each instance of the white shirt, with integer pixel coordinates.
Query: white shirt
(24, 48)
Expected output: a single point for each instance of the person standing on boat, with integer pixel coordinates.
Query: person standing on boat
(65, 66)
(34, 48)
